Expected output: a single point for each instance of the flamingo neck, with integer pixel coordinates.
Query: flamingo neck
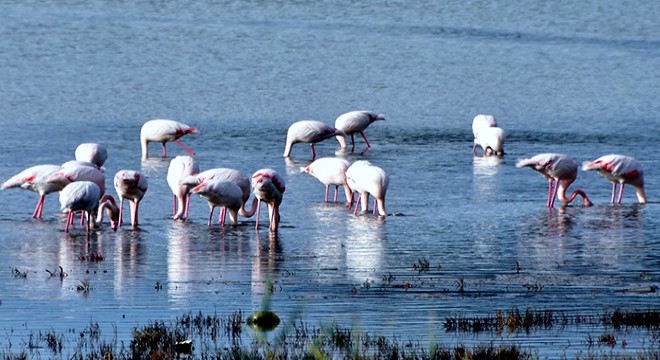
(641, 195)
(248, 213)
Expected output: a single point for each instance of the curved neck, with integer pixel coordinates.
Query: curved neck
(248, 213)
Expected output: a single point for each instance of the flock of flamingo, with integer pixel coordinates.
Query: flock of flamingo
(81, 182)
(561, 170)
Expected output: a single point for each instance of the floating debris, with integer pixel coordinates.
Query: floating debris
(263, 320)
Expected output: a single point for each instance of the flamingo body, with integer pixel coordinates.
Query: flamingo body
(181, 167)
(619, 169)
(330, 171)
(225, 194)
(225, 174)
(481, 121)
(367, 179)
(73, 171)
(80, 196)
(164, 131)
(561, 171)
(130, 185)
(355, 122)
(491, 140)
(268, 186)
(35, 179)
(310, 132)
(94, 153)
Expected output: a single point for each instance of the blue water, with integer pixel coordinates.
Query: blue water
(579, 79)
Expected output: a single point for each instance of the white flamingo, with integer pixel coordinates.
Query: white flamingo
(367, 179)
(620, 169)
(35, 179)
(310, 132)
(354, 122)
(164, 131)
(80, 196)
(330, 171)
(491, 140)
(181, 167)
(480, 122)
(94, 153)
(225, 194)
(130, 185)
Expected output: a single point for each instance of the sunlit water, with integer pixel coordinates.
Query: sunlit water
(579, 79)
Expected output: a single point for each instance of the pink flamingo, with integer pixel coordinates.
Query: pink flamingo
(73, 171)
(181, 167)
(225, 194)
(225, 174)
(130, 185)
(491, 139)
(480, 122)
(93, 153)
(163, 131)
(35, 179)
(311, 132)
(80, 196)
(330, 171)
(355, 122)
(367, 179)
(620, 169)
(561, 171)
(268, 186)
(108, 205)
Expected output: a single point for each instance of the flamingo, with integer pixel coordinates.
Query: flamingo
(268, 186)
(311, 132)
(93, 153)
(620, 169)
(225, 174)
(561, 171)
(35, 179)
(73, 171)
(491, 139)
(355, 122)
(367, 179)
(80, 196)
(330, 171)
(180, 167)
(163, 131)
(222, 193)
(130, 185)
(479, 122)
(109, 205)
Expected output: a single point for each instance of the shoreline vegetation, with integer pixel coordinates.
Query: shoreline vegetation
(200, 336)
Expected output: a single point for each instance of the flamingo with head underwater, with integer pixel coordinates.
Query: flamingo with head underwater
(93, 153)
(164, 131)
(480, 122)
(310, 132)
(620, 169)
(367, 179)
(223, 193)
(561, 171)
(130, 185)
(354, 122)
(268, 186)
(181, 167)
(80, 196)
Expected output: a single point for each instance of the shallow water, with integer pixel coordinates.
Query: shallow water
(560, 77)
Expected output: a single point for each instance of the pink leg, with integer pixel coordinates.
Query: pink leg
(365, 139)
(336, 191)
(474, 149)
(352, 143)
(554, 194)
(375, 207)
(613, 191)
(313, 151)
(357, 203)
(164, 150)
(256, 227)
(620, 193)
(39, 208)
(174, 207)
(69, 220)
(185, 213)
(223, 215)
(192, 153)
(135, 212)
(89, 220)
(326, 193)
(550, 183)
(121, 212)
(82, 218)
(211, 215)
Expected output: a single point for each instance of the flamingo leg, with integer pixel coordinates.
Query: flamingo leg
(69, 220)
(39, 208)
(164, 150)
(375, 207)
(121, 212)
(89, 219)
(620, 193)
(313, 151)
(357, 203)
(326, 192)
(256, 227)
(365, 139)
(352, 142)
(174, 206)
(550, 183)
(223, 215)
(82, 218)
(614, 184)
(554, 194)
(134, 212)
(185, 213)
(192, 153)
(211, 215)
(336, 192)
